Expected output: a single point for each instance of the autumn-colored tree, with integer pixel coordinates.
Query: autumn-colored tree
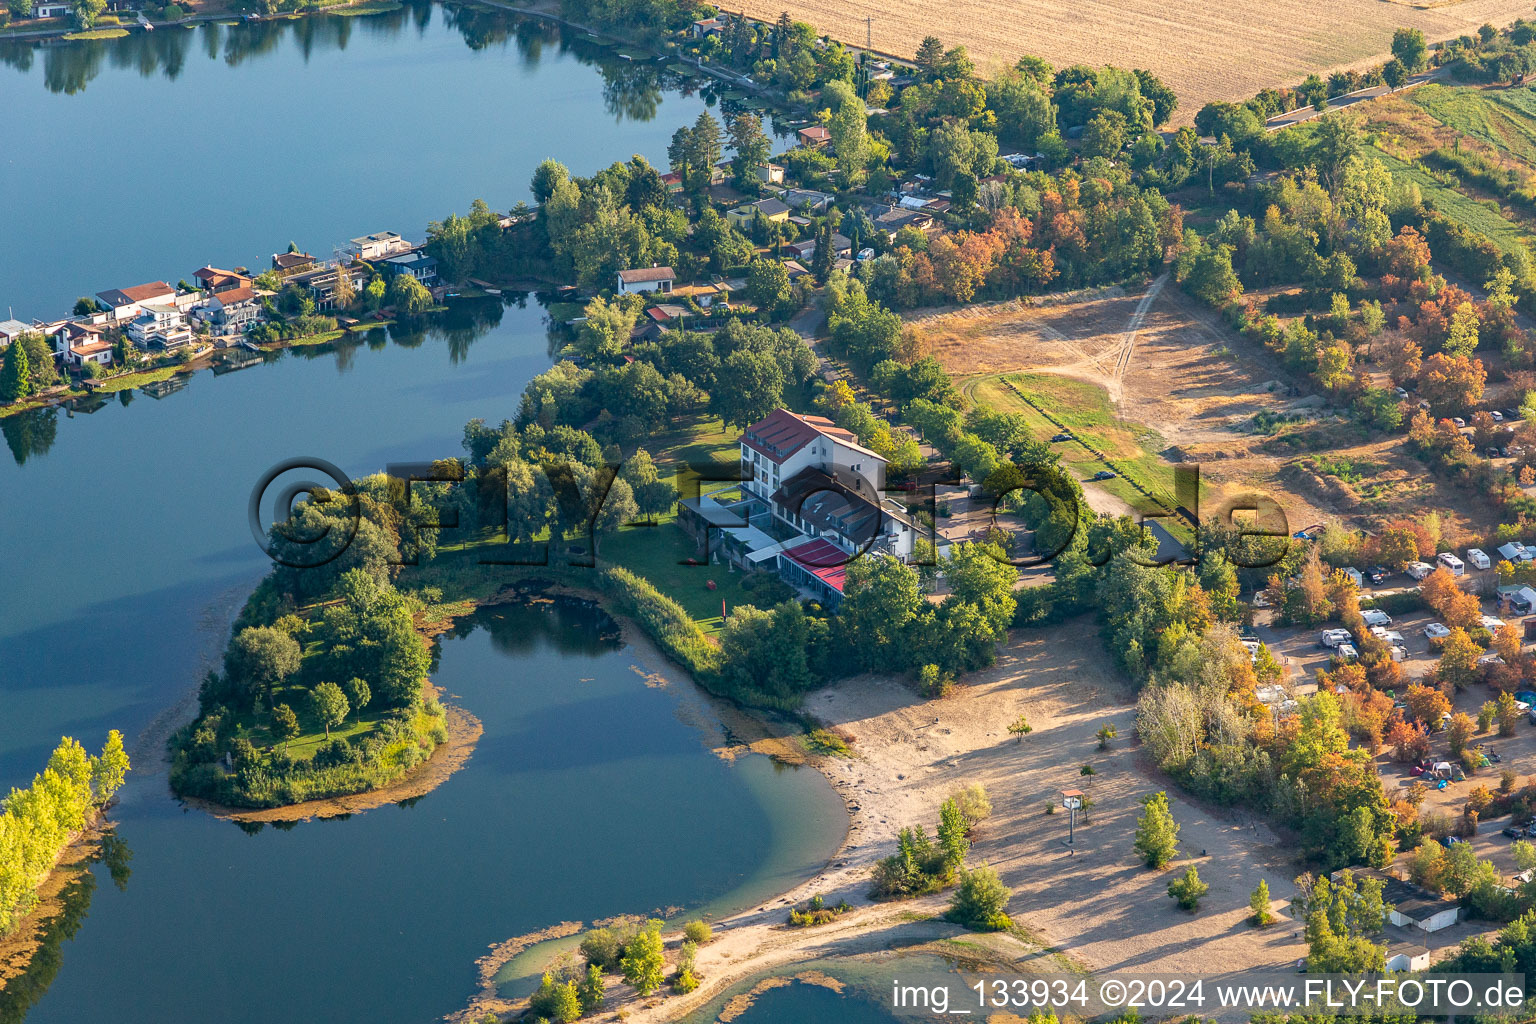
(1401, 356)
(1408, 743)
(1396, 547)
(1426, 704)
(1407, 256)
(1508, 714)
(1307, 603)
(1459, 732)
(1458, 660)
(1438, 588)
(1508, 643)
(1452, 384)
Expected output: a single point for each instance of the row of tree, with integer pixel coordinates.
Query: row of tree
(38, 822)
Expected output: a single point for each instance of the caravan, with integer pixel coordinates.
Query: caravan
(1451, 562)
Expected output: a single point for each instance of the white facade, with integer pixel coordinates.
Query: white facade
(1433, 923)
(158, 325)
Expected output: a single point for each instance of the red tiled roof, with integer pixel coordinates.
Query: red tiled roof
(235, 296)
(824, 560)
(138, 293)
(816, 132)
(782, 433)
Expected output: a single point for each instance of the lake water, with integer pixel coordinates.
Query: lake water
(124, 546)
(221, 144)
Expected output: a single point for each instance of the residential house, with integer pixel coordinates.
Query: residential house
(51, 9)
(806, 198)
(377, 246)
(708, 26)
(770, 173)
(814, 137)
(128, 303)
(321, 283)
(646, 279)
(10, 330)
(801, 250)
(415, 263)
(159, 326)
(674, 182)
(212, 280)
(893, 219)
(743, 216)
(230, 312)
(77, 342)
(795, 269)
(286, 264)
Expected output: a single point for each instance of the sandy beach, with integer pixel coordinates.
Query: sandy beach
(1092, 908)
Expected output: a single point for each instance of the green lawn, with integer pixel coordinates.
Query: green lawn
(1086, 410)
(312, 734)
(659, 554)
(1503, 118)
(1486, 219)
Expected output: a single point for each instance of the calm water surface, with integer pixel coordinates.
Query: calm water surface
(123, 551)
(221, 144)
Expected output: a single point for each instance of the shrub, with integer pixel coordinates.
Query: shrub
(974, 803)
(1188, 889)
(981, 901)
(698, 932)
(931, 682)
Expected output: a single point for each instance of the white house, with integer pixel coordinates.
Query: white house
(159, 326)
(378, 246)
(50, 9)
(784, 443)
(646, 279)
(77, 342)
(128, 303)
(230, 312)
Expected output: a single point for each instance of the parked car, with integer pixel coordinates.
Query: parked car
(1458, 421)
(1062, 437)
(1450, 841)
(1436, 631)
(1497, 416)
(1105, 474)
(1378, 574)
(1401, 393)
(1513, 833)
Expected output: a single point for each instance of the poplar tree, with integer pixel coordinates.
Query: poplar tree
(1157, 834)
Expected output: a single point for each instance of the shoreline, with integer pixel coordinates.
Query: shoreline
(464, 732)
(30, 934)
